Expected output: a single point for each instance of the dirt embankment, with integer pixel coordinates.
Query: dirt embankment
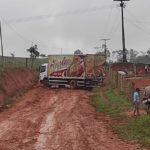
(13, 81)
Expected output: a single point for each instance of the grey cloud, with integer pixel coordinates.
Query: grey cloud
(72, 24)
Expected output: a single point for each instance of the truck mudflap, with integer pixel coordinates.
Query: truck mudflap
(73, 84)
(45, 81)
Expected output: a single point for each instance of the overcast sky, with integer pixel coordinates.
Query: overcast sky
(72, 24)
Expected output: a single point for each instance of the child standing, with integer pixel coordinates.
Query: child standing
(136, 101)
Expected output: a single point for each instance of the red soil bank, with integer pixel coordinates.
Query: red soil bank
(13, 80)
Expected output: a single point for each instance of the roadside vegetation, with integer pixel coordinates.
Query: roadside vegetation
(127, 127)
(9, 100)
(110, 103)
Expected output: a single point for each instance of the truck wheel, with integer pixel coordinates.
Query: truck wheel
(72, 84)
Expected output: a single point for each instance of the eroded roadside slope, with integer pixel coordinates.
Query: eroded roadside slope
(14, 81)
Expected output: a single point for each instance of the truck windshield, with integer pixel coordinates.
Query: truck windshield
(42, 68)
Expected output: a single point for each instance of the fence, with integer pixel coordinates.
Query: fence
(18, 62)
(127, 83)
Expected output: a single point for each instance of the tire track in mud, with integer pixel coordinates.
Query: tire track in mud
(20, 124)
(62, 119)
(77, 126)
(46, 128)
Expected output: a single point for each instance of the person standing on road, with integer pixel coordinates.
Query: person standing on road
(136, 102)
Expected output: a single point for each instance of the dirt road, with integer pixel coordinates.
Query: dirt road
(52, 119)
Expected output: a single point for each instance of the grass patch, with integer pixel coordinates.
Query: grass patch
(135, 129)
(127, 128)
(112, 104)
(99, 104)
(118, 102)
(7, 101)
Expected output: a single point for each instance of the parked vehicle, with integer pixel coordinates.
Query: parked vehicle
(73, 70)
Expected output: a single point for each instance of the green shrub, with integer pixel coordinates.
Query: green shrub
(7, 101)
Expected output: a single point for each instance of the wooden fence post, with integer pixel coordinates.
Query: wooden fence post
(26, 62)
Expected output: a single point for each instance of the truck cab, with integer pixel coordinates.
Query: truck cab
(43, 69)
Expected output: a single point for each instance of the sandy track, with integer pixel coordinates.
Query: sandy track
(46, 119)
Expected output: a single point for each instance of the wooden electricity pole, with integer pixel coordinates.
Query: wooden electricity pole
(122, 5)
(1, 44)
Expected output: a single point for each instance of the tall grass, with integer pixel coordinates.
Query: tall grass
(135, 129)
(111, 104)
(128, 128)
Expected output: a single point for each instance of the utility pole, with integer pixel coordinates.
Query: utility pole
(1, 44)
(105, 48)
(122, 5)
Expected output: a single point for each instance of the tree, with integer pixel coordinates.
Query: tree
(130, 54)
(143, 53)
(42, 55)
(102, 53)
(118, 54)
(148, 52)
(12, 54)
(133, 54)
(78, 52)
(144, 57)
(33, 53)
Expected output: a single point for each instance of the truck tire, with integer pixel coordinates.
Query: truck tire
(72, 84)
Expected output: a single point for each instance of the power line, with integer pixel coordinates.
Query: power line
(61, 14)
(137, 26)
(19, 35)
(137, 21)
(108, 19)
(114, 26)
(131, 14)
(115, 29)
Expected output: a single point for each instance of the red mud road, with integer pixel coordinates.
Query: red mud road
(56, 119)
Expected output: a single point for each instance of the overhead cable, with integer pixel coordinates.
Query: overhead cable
(60, 14)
